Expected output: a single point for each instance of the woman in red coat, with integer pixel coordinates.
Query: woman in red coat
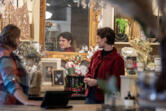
(103, 64)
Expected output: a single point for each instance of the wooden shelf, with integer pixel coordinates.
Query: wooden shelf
(157, 43)
(45, 88)
(128, 43)
(120, 45)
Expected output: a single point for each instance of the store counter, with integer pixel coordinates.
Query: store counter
(77, 107)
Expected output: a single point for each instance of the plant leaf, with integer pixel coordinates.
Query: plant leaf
(110, 86)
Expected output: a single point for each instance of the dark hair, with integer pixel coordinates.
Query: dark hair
(9, 35)
(108, 33)
(66, 35)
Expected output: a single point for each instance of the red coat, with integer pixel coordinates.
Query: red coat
(112, 64)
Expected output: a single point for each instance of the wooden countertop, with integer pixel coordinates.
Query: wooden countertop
(129, 76)
(77, 107)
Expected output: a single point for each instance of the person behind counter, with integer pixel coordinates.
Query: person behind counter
(65, 41)
(104, 63)
(13, 77)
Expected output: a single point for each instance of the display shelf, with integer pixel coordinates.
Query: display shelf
(120, 45)
(128, 43)
(156, 43)
(52, 88)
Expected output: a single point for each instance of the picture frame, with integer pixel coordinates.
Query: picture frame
(47, 66)
(131, 65)
(58, 77)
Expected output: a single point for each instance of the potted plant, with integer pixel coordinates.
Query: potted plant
(121, 25)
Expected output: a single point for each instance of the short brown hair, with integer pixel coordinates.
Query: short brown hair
(9, 35)
(108, 33)
(66, 35)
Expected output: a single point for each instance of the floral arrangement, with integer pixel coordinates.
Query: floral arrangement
(73, 66)
(74, 77)
(92, 51)
(143, 50)
(30, 54)
(84, 49)
(70, 66)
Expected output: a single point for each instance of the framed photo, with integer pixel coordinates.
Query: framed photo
(58, 77)
(131, 65)
(47, 66)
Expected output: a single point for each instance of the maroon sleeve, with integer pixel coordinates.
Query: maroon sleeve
(89, 74)
(118, 69)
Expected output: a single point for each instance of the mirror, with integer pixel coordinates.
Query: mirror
(58, 16)
(64, 17)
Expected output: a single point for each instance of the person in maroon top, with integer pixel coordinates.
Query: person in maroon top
(104, 63)
(65, 41)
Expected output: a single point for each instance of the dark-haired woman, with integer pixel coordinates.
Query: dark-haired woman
(104, 64)
(65, 42)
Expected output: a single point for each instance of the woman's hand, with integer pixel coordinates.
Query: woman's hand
(90, 82)
(19, 95)
(86, 80)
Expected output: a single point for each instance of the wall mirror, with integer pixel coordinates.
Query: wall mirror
(58, 16)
